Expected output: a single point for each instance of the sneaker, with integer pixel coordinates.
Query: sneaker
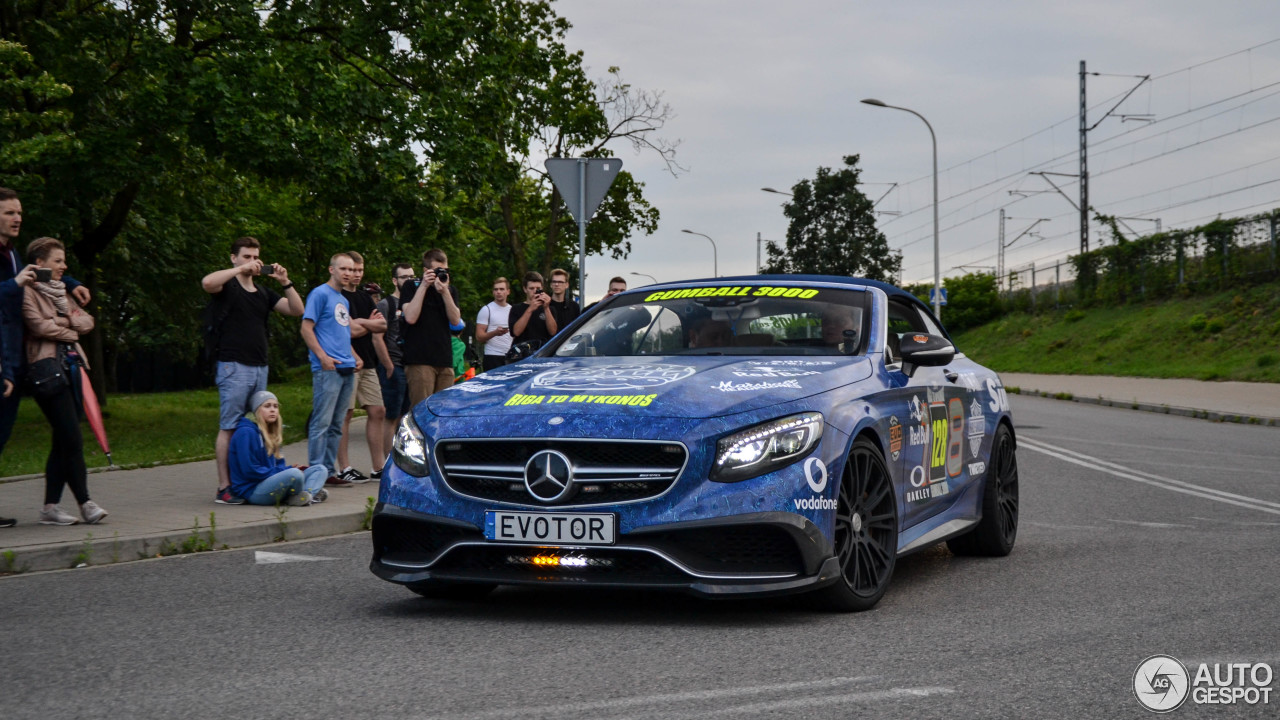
(57, 516)
(376, 475)
(354, 476)
(92, 513)
(226, 497)
(337, 481)
(299, 499)
(319, 496)
(8, 522)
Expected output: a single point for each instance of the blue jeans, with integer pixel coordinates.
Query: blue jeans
(330, 397)
(236, 385)
(278, 487)
(395, 391)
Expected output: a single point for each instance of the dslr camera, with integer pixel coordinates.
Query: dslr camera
(442, 274)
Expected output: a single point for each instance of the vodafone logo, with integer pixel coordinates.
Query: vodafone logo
(815, 473)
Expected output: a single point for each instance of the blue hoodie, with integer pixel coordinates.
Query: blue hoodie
(248, 460)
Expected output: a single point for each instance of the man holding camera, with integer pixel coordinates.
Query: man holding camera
(533, 320)
(239, 310)
(562, 304)
(430, 312)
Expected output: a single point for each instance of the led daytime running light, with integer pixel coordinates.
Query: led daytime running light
(766, 447)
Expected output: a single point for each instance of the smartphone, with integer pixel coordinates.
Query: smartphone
(44, 275)
(266, 269)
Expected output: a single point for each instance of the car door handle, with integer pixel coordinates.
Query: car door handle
(952, 376)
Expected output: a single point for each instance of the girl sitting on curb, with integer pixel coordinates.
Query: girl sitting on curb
(258, 470)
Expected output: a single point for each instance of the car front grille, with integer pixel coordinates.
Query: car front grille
(605, 472)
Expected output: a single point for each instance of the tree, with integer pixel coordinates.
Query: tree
(148, 135)
(832, 230)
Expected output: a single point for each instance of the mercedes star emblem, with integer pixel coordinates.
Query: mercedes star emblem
(548, 476)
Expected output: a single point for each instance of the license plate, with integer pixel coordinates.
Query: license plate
(551, 528)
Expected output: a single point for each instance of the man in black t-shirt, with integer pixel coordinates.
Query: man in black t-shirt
(533, 320)
(367, 327)
(240, 310)
(429, 309)
(565, 308)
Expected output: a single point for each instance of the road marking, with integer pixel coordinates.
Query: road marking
(1198, 452)
(1163, 483)
(1051, 526)
(261, 557)
(641, 700)
(908, 693)
(1140, 523)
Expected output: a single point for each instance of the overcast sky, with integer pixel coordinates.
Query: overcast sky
(765, 92)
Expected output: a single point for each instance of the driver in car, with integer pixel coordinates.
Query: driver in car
(711, 333)
(840, 326)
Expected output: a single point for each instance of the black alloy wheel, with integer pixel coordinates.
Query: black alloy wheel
(995, 534)
(866, 531)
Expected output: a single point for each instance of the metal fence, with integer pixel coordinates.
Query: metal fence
(1210, 258)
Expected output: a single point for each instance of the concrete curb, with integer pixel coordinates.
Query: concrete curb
(1210, 415)
(99, 550)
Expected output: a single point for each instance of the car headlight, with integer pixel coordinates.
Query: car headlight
(409, 448)
(766, 447)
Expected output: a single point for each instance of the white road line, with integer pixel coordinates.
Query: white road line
(262, 557)
(908, 693)
(641, 700)
(1163, 483)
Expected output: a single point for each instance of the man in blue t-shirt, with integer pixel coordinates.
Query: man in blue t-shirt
(326, 329)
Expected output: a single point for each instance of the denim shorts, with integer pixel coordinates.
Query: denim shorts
(236, 385)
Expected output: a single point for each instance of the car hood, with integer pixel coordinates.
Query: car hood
(674, 386)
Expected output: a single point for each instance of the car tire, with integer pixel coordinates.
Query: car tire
(441, 590)
(865, 532)
(995, 534)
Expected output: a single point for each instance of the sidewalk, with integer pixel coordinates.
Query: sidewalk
(155, 511)
(1254, 403)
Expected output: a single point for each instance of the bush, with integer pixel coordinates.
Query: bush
(1266, 360)
(1073, 315)
(1197, 323)
(1215, 326)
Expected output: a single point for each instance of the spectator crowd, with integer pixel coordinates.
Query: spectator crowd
(380, 352)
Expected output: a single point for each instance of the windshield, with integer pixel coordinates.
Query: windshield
(737, 320)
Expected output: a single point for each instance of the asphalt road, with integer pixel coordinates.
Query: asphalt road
(1129, 546)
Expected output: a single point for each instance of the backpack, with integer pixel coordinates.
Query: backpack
(212, 318)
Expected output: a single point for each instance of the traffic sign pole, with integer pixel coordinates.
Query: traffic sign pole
(582, 233)
(583, 183)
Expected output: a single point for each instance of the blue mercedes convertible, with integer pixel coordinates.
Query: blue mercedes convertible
(763, 434)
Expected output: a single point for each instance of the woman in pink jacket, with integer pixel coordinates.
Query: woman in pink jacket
(55, 323)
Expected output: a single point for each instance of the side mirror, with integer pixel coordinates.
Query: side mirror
(923, 350)
(520, 351)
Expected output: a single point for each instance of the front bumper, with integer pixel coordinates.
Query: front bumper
(751, 554)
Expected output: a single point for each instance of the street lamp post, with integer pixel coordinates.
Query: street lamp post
(654, 279)
(937, 257)
(715, 260)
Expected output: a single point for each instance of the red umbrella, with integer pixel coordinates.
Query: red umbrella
(94, 414)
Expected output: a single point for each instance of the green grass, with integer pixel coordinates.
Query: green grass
(1229, 336)
(151, 428)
